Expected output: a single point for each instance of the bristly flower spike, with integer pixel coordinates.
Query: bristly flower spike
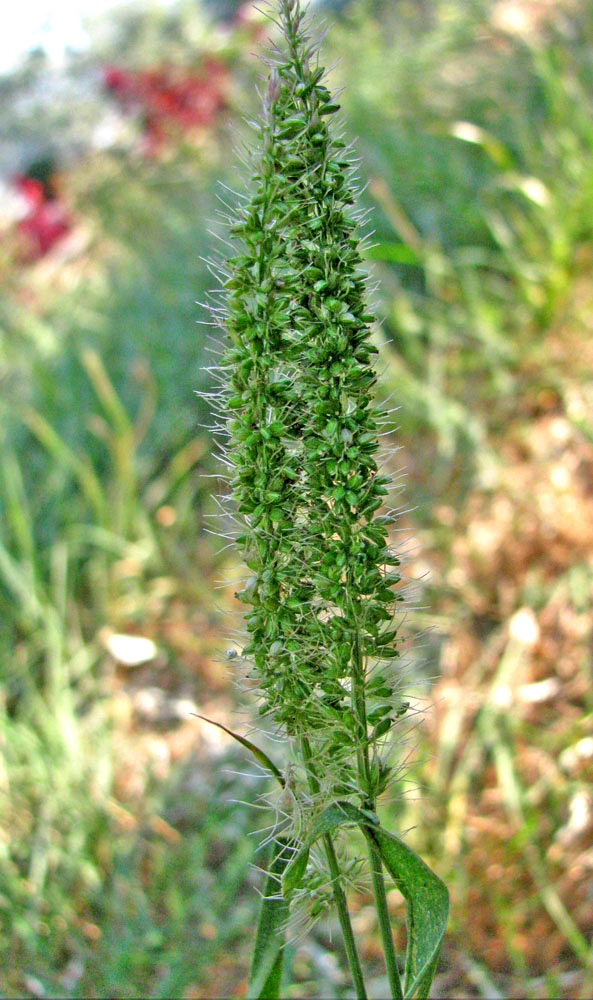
(303, 435)
(323, 587)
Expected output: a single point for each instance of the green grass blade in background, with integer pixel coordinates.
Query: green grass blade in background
(266, 969)
(81, 468)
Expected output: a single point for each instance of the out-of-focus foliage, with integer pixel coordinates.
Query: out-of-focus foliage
(478, 150)
(102, 497)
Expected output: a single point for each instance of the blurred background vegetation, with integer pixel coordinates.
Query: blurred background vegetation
(127, 827)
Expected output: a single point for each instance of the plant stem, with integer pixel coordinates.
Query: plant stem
(384, 922)
(338, 892)
(374, 855)
(344, 918)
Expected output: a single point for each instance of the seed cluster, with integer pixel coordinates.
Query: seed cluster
(303, 430)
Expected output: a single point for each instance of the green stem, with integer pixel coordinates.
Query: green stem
(374, 855)
(344, 918)
(360, 711)
(338, 892)
(384, 923)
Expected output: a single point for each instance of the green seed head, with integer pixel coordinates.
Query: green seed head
(303, 432)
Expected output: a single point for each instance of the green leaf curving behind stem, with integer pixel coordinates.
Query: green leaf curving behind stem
(427, 908)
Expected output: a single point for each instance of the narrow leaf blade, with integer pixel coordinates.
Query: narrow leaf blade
(268, 954)
(257, 753)
(294, 872)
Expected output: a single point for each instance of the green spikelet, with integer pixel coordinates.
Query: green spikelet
(304, 435)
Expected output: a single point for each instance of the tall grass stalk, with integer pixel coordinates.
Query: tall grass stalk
(324, 586)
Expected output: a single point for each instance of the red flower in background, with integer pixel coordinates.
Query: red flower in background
(47, 220)
(170, 96)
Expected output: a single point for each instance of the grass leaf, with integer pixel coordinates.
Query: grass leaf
(257, 753)
(427, 908)
(268, 953)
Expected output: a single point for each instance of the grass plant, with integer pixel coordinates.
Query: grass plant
(324, 585)
(485, 306)
(108, 566)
